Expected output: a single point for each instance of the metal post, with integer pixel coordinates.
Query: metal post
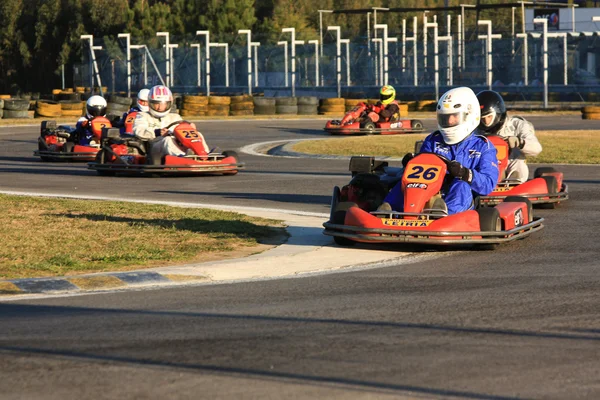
(207, 49)
(369, 34)
(338, 58)
(62, 69)
(513, 31)
(316, 43)
(293, 43)
(226, 46)
(127, 37)
(459, 47)
(90, 38)
(425, 42)
(488, 38)
(198, 69)
(544, 23)
(403, 46)
(249, 33)
(285, 53)
(462, 39)
(167, 51)
(436, 79)
(321, 35)
(172, 62)
(347, 43)
(384, 27)
(255, 45)
(414, 40)
(378, 59)
(525, 58)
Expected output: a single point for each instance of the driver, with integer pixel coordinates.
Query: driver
(152, 125)
(386, 108)
(95, 106)
(473, 167)
(518, 133)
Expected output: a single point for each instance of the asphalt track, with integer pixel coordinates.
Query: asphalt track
(522, 321)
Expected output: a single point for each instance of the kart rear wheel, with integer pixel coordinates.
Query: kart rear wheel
(416, 124)
(552, 185)
(338, 218)
(68, 147)
(520, 199)
(231, 153)
(100, 161)
(369, 127)
(543, 170)
(43, 147)
(489, 221)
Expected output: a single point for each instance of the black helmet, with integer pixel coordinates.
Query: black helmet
(491, 103)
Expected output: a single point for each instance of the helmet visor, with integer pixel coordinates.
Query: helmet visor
(488, 119)
(384, 97)
(451, 120)
(160, 106)
(96, 111)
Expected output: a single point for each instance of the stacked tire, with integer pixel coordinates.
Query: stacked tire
(426, 105)
(218, 106)
(49, 109)
(590, 112)
(332, 106)
(194, 106)
(286, 105)
(15, 108)
(72, 108)
(351, 103)
(242, 105)
(308, 105)
(117, 106)
(264, 106)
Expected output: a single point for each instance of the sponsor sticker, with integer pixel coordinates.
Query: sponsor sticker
(408, 223)
(519, 217)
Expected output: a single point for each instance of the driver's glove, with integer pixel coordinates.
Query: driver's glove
(407, 157)
(458, 171)
(514, 141)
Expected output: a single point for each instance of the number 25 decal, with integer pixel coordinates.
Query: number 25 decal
(422, 172)
(190, 134)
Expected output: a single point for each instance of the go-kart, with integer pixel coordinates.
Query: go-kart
(129, 155)
(354, 216)
(356, 122)
(545, 190)
(60, 143)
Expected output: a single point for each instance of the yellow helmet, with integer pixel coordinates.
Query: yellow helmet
(387, 94)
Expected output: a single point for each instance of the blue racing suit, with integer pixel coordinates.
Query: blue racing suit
(474, 152)
(83, 132)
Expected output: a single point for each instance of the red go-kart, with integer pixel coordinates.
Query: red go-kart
(357, 122)
(545, 190)
(59, 143)
(354, 216)
(130, 155)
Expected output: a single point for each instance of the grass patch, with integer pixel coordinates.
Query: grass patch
(565, 147)
(56, 237)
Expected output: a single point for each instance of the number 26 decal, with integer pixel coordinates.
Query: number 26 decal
(422, 172)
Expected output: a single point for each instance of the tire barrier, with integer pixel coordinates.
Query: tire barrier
(286, 105)
(48, 109)
(16, 105)
(218, 106)
(308, 105)
(426, 105)
(193, 106)
(332, 105)
(15, 114)
(242, 105)
(590, 112)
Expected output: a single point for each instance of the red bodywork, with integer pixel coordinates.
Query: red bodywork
(129, 120)
(351, 124)
(536, 189)
(52, 148)
(125, 158)
(422, 179)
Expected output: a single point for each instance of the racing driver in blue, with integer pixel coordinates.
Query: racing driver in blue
(473, 164)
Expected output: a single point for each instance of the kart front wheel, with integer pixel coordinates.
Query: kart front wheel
(552, 185)
(369, 127)
(338, 218)
(416, 124)
(543, 170)
(489, 221)
(231, 153)
(68, 147)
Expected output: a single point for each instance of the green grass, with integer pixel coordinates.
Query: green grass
(56, 237)
(564, 147)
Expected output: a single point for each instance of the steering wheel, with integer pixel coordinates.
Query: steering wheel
(441, 157)
(176, 123)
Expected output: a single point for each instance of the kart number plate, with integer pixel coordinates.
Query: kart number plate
(422, 173)
(409, 223)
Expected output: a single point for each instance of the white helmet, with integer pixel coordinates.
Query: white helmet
(458, 114)
(95, 106)
(142, 100)
(160, 100)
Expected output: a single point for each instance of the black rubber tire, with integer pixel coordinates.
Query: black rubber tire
(264, 102)
(100, 160)
(543, 170)
(307, 110)
(125, 101)
(369, 127)
(231, 153)
(338, 218)
(15, 113)
(286, 101)
(284, 109)
(489, 221)
(520, 199)
(16, 105)
(68, 147)
(264, 110)
(308, 101)
(43, 147)
(553, 188)
(417, 124)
